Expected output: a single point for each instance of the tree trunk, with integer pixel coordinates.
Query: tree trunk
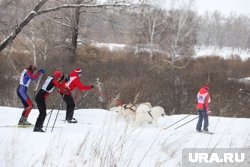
(33, 43)
(75, 29)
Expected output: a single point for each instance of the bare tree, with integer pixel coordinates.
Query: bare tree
(180, 35)
(20, 26)
(154, 27)
(220, 31)
(178, 42)
(75, 30)
(37, 11)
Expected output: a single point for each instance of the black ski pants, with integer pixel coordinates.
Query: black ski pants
(41, 105)
(70, 106)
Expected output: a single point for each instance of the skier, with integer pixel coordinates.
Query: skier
(202, 106)
(72, 82)
(48, 86)
(27, 76)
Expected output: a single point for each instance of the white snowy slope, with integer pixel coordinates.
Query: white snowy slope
(103, 139)
(225, 52)
(200, 51)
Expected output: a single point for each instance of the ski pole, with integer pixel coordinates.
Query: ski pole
(48, 120)
(38, 82)
(51, 113)
(176, 122)
(79, 102)
(37, 85)
(57, 113)
(186, 123)
(52, 108)
(49, 117)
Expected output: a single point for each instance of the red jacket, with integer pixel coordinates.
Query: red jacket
(74, 82)
(203, 99)
(49, 84)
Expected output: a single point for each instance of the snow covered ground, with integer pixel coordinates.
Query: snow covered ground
(224, 52)
(111, 46)
(103, 139)
(200, 51)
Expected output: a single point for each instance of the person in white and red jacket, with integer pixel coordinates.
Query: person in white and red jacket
(202, 106)
(50, 83)
(71, 83)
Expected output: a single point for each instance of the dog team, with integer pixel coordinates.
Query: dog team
(140, 114)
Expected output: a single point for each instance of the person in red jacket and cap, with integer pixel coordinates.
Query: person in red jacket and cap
(71, 83)
(50, 83)
(202, 106)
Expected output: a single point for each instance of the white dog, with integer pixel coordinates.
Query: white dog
(125, 110)
(147, 104)
(129, 111)
(118, 109)
(146, 114)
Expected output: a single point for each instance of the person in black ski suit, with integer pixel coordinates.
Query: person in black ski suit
(42, 95)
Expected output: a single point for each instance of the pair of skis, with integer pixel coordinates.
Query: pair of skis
(205, 132)
(22, 126)
(16, 126)
(178, 122)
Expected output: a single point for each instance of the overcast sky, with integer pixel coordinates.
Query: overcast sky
(224, 6)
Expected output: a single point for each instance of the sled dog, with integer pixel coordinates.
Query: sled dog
(145, 114)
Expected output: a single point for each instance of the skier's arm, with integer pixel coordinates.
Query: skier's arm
(33, 76)
(63, 88)
(207, 101)
(81, 86)
(58, 85)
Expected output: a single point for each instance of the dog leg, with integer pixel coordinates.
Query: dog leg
(156, 122)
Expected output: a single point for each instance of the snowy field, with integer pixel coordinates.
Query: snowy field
(224, 52)
(102, 139)
(200, 51)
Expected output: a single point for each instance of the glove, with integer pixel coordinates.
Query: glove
(42, 70)
(92, 86)
(67, 78)
(61, 79)
(209, 112)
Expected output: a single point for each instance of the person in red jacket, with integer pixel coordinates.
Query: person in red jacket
(71, 83)
(202, 106)
(47, 88)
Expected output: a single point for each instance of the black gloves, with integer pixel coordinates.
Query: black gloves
(62, 78)
(67, 78)
(42, 70)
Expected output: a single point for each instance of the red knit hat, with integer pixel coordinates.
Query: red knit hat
(206, 85)
(31, 68)
(77, 70)
(57, 74)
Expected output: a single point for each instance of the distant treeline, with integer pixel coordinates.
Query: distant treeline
(123, 73)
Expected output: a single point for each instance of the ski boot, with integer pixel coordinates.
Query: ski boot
(37, 129)
(73, 120)
(23, 121)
